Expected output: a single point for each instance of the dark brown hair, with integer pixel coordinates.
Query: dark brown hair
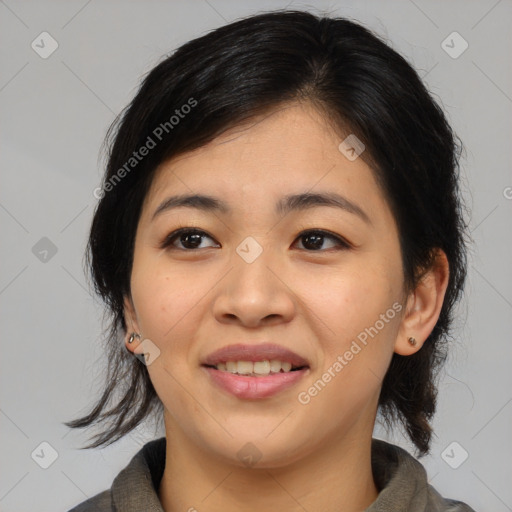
(229, 76)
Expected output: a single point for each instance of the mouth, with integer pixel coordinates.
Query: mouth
(255, 371)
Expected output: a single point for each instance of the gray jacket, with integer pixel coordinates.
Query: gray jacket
(401, 479)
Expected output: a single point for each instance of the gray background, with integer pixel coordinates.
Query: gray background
(55, 112)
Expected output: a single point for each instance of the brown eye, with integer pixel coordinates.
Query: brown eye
(189, 239)
(314, 240)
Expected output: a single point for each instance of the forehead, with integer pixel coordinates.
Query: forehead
(291, 149)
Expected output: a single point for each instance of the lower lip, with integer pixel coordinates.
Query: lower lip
(255, 387)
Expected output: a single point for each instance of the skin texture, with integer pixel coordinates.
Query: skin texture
(313, 301)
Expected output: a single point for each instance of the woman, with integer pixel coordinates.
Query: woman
(280, 242)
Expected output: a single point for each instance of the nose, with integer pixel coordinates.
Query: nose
(255, 294)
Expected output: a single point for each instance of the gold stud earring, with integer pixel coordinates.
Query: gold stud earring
(412, 341)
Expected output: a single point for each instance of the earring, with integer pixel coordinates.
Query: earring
(412, 341)
(133, 336)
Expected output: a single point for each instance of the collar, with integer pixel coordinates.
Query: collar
(400, 479)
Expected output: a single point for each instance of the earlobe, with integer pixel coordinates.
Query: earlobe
(423, 307)
(132, 335)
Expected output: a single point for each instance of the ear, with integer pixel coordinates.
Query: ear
(423, 307)
(132, 326)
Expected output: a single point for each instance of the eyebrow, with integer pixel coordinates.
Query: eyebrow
(289, 203)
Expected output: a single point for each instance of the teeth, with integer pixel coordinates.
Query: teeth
(259, 368)
(231, 366)
(244, 367)
(275, 366)
(286, 366)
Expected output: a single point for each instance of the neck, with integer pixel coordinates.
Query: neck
(335, 477)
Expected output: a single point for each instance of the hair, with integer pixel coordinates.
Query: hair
(230, 76)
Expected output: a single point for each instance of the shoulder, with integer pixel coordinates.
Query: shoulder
(135, 487)
(102, 502)
(403, 484)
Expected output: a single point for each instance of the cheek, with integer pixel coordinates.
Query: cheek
(163, 298)
(350, 298)
(167, 303)
(356, 314)
(359, 326)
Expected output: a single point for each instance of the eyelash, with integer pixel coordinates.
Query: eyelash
(167, 242)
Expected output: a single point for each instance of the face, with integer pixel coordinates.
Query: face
(320, 280)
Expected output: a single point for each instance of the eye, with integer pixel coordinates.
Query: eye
(314, 238)
(189, 238)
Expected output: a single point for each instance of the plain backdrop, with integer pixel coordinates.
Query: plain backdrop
(55, 112)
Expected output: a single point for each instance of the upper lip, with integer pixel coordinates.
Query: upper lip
(260, 352)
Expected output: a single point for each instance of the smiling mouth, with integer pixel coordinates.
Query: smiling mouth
(262, 368)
